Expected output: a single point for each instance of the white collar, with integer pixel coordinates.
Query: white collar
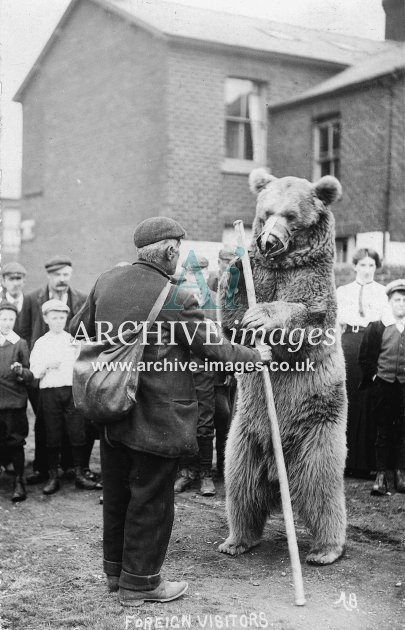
(12, 337)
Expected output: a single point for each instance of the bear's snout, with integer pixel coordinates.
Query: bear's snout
(275, 237)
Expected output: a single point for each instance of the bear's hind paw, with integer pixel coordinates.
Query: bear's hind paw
(325, 556)
(233, 548)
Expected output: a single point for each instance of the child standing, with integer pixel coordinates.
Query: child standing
(382, 359)
(14, 375)
(52, 360)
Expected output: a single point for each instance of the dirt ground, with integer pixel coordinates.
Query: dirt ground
(51, 568)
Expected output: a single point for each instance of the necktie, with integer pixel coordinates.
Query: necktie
(361, 307)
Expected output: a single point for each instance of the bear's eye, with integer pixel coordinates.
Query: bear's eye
(290, 216)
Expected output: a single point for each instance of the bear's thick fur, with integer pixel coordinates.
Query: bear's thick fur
(292, 264)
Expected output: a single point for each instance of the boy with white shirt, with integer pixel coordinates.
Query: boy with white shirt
(382, 359)
(52, 360)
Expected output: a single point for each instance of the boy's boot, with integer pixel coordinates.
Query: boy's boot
(53, 483)
(184, 480)
(19, 493)
(205, 447)
(207, 488)
(380, 486)
(399, 477)
(81, 481)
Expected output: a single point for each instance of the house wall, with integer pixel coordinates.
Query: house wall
(94, 143)
(365, 120)
(200, 194)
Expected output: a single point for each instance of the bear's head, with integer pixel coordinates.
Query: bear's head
(290, 211)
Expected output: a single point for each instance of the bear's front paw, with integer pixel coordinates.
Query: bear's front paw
(328, 555)
(260, 316)
(232, 548)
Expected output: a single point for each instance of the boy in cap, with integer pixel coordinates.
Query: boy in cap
(382, 359)
(13, 280)
(14, 375)
(52, 360)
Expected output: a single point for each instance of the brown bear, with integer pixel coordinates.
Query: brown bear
(292, 255)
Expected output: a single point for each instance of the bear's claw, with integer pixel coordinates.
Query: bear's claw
(236, 549)
(325, 556)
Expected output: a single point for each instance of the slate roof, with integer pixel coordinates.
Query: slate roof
(170, 20)
(389, 62)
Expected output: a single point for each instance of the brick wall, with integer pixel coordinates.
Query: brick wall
(101, 95)
(199, 194)
(365, 117)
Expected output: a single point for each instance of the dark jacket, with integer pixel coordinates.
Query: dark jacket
(13, 394)
(164, 419)
(35, 324)
(369, 352)
(22, 326)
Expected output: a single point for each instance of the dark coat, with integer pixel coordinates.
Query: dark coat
(164, 419)
(13, 393)
(35, 324)
(369, 352)
(22, 327)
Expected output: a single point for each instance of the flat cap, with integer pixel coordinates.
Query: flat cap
(54, 305)
(157, 229)
(6, 306)
(395, 285)
(57, 262)
(13, 268)
(198, 262)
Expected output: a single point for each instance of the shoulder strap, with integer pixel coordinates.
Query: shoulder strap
(157, 307)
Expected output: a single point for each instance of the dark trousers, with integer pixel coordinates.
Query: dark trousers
(40, 462)
(222, 419)
(389, 415)
(138, 513)
(60, 416)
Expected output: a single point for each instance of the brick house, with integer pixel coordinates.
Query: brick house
(139, 108)
(353, 125)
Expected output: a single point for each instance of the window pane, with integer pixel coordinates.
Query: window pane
(232, 140)
(325, 168)
(236, 92)
(336, 137)
(336, 168)
(248, 144)
(323, 139)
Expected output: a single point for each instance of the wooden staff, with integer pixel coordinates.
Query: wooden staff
(275, 435)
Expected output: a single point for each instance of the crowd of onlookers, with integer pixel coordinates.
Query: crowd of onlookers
(372, 318)
(37, 358)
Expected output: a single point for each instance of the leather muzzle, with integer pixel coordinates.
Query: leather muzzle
(275, 237)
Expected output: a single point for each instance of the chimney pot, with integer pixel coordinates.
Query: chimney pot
(394, 19)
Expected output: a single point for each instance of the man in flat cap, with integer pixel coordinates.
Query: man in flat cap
(382, 359)
(140, 454)
(13, 280)
(59, 273)
(225, 256)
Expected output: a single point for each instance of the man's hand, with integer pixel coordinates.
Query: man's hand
(17, 368)
(265, 352)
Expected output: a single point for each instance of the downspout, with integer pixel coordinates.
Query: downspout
(387, 192)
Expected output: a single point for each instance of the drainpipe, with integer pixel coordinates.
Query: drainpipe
(387, 192)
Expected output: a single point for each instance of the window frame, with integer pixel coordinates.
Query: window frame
(331, 155)
(241, 164)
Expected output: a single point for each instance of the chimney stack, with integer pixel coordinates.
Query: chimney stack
(394, 19)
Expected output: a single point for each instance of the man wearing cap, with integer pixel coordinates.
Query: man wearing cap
(13, 280)
(382, 359)
(59, 273)
(140, 454)
(225, 256)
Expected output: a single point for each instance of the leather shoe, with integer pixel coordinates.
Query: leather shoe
(165, 592)
(36, 477)
(81, 480)
(112, 583)
(184, 481)
(19, 490)
(399, 480)
(380, 486)
(207, 488)
(53, 484)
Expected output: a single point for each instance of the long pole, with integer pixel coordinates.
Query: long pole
(275, 435)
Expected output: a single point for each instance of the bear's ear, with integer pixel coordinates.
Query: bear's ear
(328, 189)
(258, 179)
